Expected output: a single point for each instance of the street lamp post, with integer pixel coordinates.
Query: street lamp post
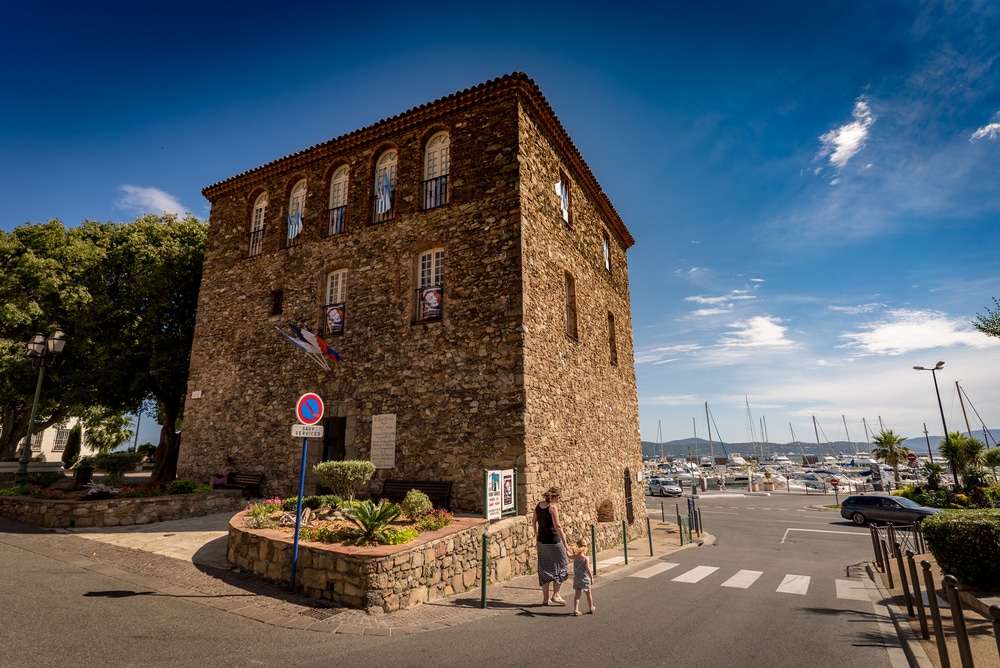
(43, 353)
(937, 367)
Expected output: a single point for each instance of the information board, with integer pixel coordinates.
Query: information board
(384, 441)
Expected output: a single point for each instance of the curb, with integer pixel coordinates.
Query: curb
(910, 644)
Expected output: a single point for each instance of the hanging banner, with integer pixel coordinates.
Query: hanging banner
(430, 302)
(335, 319)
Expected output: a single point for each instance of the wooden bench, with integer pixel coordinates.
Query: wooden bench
(249, 482)
(438, 491)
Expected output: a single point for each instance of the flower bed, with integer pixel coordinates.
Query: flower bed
(386, 578)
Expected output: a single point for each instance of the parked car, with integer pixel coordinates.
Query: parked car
(880, 508)
(665, 487)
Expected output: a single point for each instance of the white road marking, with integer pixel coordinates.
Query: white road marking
(696, 574)
(611, 562)
(743, 579)
(849, 533)
(794, 584)
(654, 570)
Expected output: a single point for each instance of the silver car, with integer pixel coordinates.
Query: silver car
(664, 487)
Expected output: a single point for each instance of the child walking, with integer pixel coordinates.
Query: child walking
(583, 577)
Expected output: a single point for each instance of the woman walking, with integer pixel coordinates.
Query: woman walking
(553, 565)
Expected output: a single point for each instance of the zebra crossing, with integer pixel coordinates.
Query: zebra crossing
(855, 589)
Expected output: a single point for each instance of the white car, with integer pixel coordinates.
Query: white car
(664, 487)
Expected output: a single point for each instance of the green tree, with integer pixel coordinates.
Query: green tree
(890, 449)
(934, 473)
(991, 458)
(106, 429)
(73, 444)
(964, 452)
(989, 323)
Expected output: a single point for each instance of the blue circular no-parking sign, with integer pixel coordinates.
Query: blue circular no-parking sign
(309, 409)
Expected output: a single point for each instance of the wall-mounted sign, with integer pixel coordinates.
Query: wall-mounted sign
(384, 441)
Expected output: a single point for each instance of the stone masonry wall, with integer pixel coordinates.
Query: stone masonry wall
(388, 578)
(116, 512)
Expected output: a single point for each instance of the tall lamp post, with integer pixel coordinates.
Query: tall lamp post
(937, 367)
(43, 353)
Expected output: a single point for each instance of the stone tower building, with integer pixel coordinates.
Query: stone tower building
(466, 265)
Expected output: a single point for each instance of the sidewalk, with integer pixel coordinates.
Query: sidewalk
(187, 558)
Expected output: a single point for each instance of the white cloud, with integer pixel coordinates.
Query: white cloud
(735, 295)
(704, 312)
(988, 131)
(904, 331)
(758, 332)
(857, 310)
(139, 200)
(665, 353)
(844, 142)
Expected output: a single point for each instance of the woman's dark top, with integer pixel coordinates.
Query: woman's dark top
(546, 531)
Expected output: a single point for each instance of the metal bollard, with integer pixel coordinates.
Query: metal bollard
(911, 562)
(486, 556)
(942, 645)
(958, 620)
(649, 532)
(903, 582)
(875, 546)
(892, 540)
(885, 558)
(625, 540)
(995, 614)
(593, 548)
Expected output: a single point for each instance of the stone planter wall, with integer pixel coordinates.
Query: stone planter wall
(117, 512)
(389, 577)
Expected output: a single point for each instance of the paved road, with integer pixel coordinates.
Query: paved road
(61, 604)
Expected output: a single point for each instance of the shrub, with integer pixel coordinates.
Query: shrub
(20, 490)
(966, 544)
(436, 519)
(327, 534)
(400, 536)
(372, 519)
(344, 478)
(114, 466)
(416, 504)
(264, 508)
(329, 500)
(182, 486)
(43, 493)
(140, 491)
(72, 450)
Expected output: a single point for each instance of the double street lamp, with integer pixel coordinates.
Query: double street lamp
(43, 353)
(947, 441)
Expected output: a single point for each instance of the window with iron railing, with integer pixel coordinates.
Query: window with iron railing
(430, 302)
(337, 217)
(258, 219)
(255, 242)
(62, 435)
(385, 186)
(436, 192)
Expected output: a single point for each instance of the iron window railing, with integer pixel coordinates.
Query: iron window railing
(338, 215)
(255, 242)
(436, 192)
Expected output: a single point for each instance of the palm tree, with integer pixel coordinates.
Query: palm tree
(964, 452)
(934, 472)
(890, 449)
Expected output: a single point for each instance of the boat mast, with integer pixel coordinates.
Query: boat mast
(854, 448)
(968, 429)
(819, 448)
(659, 437)
(711, 448)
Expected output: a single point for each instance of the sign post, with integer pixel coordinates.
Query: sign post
(836, 495)
(309, 411)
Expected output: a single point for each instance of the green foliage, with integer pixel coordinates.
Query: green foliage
(114, 466)
(888, 447)
(989, 324)
(106, 429)
(933, 498)
(311, 502)
(73, 443)
(964, 452)
(328, 500)
(372, 519)
(400, 536)
(141, 491)
(19, 490)
(181, 485)
(259, 522)
(436, 519)
(344, 478)
(146, 450)
(265, 507)
(45, 479)
(934, 473)
(326, 534)
(966, 544)
(43, 493)
(416, 504)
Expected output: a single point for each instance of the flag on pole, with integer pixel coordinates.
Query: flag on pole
(294, 224)
(322, 345)
(314, 354)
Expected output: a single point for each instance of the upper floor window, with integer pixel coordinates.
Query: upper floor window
(338, 200)
(277, 299)
(570, 291)
(258, 218)
(430, 284)
(385, 185)
(336, 299)
(437, 163)
(606, 246)
(612, 340)
(296, 214)
(62, 436)
(562, 189)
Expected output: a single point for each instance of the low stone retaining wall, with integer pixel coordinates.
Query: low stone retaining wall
(117, 512)
(387, 578)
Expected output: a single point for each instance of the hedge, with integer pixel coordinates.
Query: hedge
(966, 544)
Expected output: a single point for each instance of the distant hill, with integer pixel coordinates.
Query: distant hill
(699, 447)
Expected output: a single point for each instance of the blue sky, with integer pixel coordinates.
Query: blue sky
(814, 187)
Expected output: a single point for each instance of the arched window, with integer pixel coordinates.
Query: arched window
(258, 218)
(606, 246)
(338, 200)
(571, 328)
(436, 167)
(565, 199)
(385, 185)
(430, 284)
(296, 214)
(336, 299)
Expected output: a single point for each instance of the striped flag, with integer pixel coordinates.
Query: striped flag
(322, 345)
(294, 224)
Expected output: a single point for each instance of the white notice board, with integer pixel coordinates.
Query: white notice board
(384, 441)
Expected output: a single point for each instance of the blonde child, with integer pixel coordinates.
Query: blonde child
(583, 577)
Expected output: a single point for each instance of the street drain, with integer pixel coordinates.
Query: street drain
(319, 613)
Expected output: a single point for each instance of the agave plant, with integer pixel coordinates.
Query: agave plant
(373, 519)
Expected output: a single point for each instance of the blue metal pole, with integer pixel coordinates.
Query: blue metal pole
(298, 515)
